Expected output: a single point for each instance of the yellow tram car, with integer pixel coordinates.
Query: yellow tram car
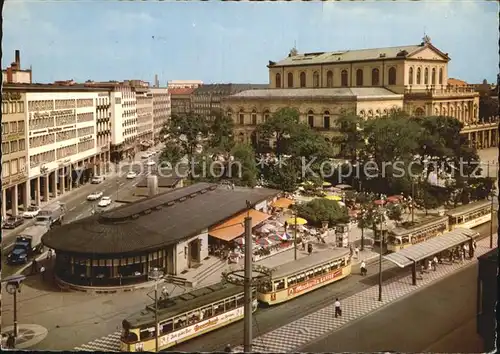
(299, 277)
(401, 238)
(470, 215)
(184, 317)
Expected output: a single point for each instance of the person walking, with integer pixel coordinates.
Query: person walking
(42, 272)
(228, 348)
(338, 309)
(356, 252)
(11, 341)
(310, 248)
(34, 267)
(363, 268)
(434, 263)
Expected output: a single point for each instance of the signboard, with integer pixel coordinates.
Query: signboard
(314, 282)
(86, 138)
(201, 326)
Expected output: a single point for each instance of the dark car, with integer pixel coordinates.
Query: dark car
(13, 222)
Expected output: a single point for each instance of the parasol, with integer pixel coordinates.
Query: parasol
(300, 221)
(333, 197)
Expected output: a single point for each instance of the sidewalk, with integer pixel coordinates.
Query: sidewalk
(295, 335)
(28, 335)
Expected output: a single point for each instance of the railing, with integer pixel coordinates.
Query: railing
(441, 90)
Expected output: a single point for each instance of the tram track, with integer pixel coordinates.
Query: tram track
(267, 319)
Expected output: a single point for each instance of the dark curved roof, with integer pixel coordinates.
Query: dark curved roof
(155, 222)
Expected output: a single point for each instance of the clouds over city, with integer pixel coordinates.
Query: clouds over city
(233, 42)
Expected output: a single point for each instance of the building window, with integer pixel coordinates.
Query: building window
(410, 76)
(326, 120)
(329, 79)
(441, 76)
(392, 76)
(13, 127)
(419, 112)
(254, 117)
(13, 146)
(344, 79)
(375, 77)
(359, 77)
(316, 79)
(290, 80)
(426, 76)
(419, 76)
(20, 126)
(302, 79)
(266, 116)
(14, 167)
(242, 117)
(310, 118)
(5, 148)
(22, 144)
(229, 114)
(5, 169)
(433, 76)
(278, 80)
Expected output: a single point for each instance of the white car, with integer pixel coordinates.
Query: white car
(131, 175)
(150, 163)
(104, 202)
(31, 212)
(98, 179)
(94, 196)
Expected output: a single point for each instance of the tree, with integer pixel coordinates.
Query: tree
(283, 177)
(351, 138)
(395, 212)
(172, 153)
(221, 133)
(280, 127)
(364, 221)
(244, 169)
(321, 209)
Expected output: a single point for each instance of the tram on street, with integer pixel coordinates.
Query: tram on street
(401, 238)
(299, 277)
(470, 215)
(184, 317)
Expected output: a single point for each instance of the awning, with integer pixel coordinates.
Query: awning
(431, 247)
(283, 203)
(235, 226)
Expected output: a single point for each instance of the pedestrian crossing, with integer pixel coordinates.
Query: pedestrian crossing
(109, 343)
(297, 334)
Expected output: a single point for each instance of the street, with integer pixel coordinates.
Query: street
(439, 318)
(77, 205)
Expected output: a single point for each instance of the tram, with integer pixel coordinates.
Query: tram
(184, 317)
(470, 215)
(401, 238)
(299, 277)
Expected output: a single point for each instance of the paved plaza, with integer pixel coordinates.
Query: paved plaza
(297, 334)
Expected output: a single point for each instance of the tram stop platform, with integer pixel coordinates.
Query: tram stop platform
(28, 335)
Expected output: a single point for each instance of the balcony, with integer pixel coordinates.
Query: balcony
(441, 91)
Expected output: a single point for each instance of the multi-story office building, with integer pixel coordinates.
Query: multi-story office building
(173, 84)
(180, 100)
(368, 82)
(14, 74)
(161, 110)
(60, 139)
(14, 150)
(206, 99)
(145, 126)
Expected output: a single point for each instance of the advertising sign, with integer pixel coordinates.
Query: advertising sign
(314, 282)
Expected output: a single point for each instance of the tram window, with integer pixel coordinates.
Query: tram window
(219, 308)
(206, 312)
(230, 304)
(167, 327)
(240, 301)
(146, 334)
(130, 337)
(300, 278)
(335, 265)
(193, 317)
(406, 239)
(342, 264)
(318, 271)
(279, 285)
(292, 281)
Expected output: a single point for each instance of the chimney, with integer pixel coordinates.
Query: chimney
(153, 185)
(157, 84)
(18, 59)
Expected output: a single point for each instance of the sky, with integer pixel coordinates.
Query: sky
(233, 42)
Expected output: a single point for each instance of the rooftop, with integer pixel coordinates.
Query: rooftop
(339, 56)
(53, 87)
(154, 222)
(341, 92)
(181, 91)
(227, 89)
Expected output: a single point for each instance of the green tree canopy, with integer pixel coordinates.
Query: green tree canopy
(318, 210)
(244, 170)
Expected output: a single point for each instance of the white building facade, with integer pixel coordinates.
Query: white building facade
(162, 110)
(184, 84)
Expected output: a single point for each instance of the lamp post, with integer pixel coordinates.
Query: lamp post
(156, 275)
(381, 216)
(13, 286)
(491, 221)
(295, 236)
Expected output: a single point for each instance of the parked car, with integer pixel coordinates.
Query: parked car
(98, 179)
(131, 175)
(150, 163)
(13, 222)
(104, 202)
(31, 212)
(94, 196)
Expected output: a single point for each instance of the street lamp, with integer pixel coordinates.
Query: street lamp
(156, 275)
(13, 287)
(492, 194)
(381, 220)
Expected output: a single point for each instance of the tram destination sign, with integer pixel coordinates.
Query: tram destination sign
(314, 282)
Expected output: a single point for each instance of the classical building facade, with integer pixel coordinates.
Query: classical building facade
(180, 100)
(161, 110)
(59, 140)
(368, 82)
(207, 98)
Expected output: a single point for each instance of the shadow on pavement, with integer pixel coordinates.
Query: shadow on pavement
(45, 282)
